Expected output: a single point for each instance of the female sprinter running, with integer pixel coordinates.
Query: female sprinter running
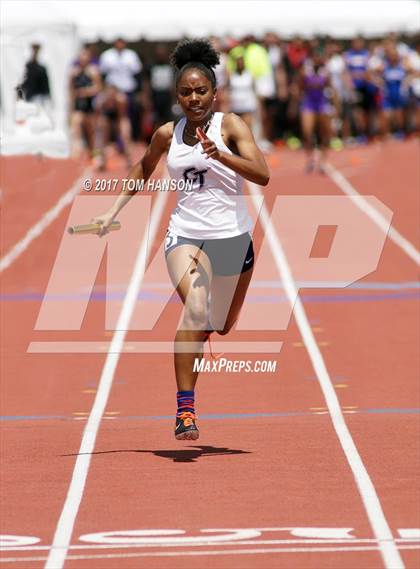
(208, 249)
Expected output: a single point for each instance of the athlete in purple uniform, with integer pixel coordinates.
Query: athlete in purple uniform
(315, 107)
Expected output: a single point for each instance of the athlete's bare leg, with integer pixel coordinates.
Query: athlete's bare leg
(90, 125)
(399, 119)
(76, 122)
(124, 129)
(361, 121)
(191, 274)
(227, 297)
(324, 137)
(308, 121)
(385, 123)
(102, 139)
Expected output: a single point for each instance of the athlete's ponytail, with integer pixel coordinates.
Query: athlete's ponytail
(197, 54)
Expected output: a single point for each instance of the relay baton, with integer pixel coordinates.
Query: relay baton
(93, 228)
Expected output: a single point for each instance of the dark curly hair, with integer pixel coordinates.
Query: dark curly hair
(197, 54)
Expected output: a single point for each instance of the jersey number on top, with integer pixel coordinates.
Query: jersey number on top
(194, 175)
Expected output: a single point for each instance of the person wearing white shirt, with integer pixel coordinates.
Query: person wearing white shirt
(120, 66)
(342, 91)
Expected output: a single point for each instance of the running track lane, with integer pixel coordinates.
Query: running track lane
(221, 494)
(30, 186)
(35, 384)
(386, 336)
(296, 438)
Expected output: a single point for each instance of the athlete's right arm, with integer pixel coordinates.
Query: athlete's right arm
(140, 171)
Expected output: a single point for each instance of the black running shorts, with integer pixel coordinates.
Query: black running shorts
(230, 256)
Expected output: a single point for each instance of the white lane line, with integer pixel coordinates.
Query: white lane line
(39, 227)
(209, 552)
(64, 530)
(346, 187)
(370, 499)
(204, 543)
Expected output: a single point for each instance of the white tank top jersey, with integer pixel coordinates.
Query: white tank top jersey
(214, 207)
(242, 93)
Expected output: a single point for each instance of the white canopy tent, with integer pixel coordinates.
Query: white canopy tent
(169, 19)
(29, 127)
(61, 25)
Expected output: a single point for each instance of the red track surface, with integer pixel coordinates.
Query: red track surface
(281, 471)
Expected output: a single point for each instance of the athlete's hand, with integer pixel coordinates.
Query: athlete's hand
(209, 147)
(104, 221)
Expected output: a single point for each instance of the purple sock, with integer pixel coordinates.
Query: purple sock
(185, 400)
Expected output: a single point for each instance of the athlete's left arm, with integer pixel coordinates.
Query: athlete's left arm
(250, 163)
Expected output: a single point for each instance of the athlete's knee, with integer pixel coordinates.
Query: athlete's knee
(226, 328)
(224, 331)
(195, 314)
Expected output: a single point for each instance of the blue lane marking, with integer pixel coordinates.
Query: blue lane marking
(209, 416)
(151, 294)
(33, 417)
(212, 416)
(361, 297)
(413, 410)
(250, 298)
(407, 285)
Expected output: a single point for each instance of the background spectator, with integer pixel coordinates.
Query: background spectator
(85, 84)
(35, 86)
(159, 86)
(121, 68)
(265, 80)
(242, 92)
(113, 124)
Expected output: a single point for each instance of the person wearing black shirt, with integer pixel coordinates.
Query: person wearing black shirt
(35, 86)
(159, 85)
